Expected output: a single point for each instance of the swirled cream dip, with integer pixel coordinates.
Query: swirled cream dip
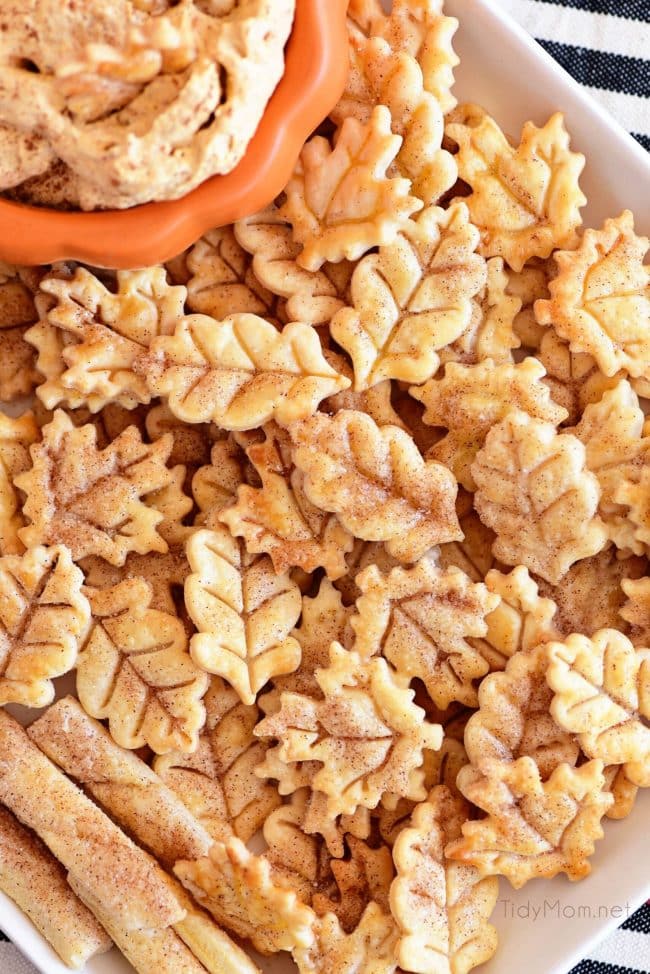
(107, 104)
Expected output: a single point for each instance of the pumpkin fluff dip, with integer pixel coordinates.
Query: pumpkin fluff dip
(108, 104)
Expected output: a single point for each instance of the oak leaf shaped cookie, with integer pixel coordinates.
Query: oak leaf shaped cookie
(312, 297)
(617, 453)
(526, 200)
(533, 829)
(442, 908)
(602, 694)
(340, 201)
(16, 436)
(369, 948)
(521, 620)
(277, 518)
(364, 877)
(217, 781)
(420, 620)
(469, 400)
(380, 75)
(600, 299)
(43, 620)
(636, 610)
(535, 492)
(93, 500)
(135, 671)
(513, 718)
(367, 733)
(412, 299)
(237, 888)
(89, 339)
(243, 614)
(223, 281)
(491, 331)
(240, 372)
(375, 480)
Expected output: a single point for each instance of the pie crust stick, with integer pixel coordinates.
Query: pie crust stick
(36, 882)
(149, 951)
(119, 781)
(122, 876)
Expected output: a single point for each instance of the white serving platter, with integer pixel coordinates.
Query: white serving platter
(547, 927)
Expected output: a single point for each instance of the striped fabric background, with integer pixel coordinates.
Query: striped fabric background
(605, 45)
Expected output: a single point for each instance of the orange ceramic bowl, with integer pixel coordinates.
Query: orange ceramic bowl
(315, 74)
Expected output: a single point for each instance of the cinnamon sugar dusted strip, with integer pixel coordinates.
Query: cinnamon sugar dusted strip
(149, 951)
(36, 882)
(125, 879)
(120, 782)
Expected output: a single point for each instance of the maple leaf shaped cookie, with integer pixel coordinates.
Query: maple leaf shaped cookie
(513, 718)
(521, 620)
(412, 299)
(526, 200)
(223, 281)
(600, 299)
(535, 492)
(533, 829)
(341, 202)
(18, 373)
(442, 908)
(217, 781)
(240, 372)
(243, 614)
(369, 948)
(16, 436)
(277, 518)
(90, 499)
(312, 297)
(617, 453)
(375, 480)
(602, 694)
(367, 733)
(89, 339)
(135, 671)
(237, 888)
(43, 620)
(574, 378)
(469, 400)
(419, 619)
(380, 75)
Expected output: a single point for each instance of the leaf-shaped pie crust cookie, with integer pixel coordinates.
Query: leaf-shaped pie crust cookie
(238, 889)
(277, 518)
(442, 908)
(533, 829)
(367, 733)
(574, 378)
(222, 280)
(341, 202)
(90, 499)
(43, 620)
(240, 372)
(365, 877)
(243, 614)
(16, 436)
(369, 948)
(311, 296)
(600, 299)
(18, 373)
(89, 339)
(412, 298)
(420, 620)
(217, 781)
(380, 75)
(636, 610)
(135, 671)
(535, 492)
(526, 200)
(469, 400)
(602, 694)
(375, 479)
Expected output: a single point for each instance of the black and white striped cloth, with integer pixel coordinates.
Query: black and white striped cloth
(605, 45)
